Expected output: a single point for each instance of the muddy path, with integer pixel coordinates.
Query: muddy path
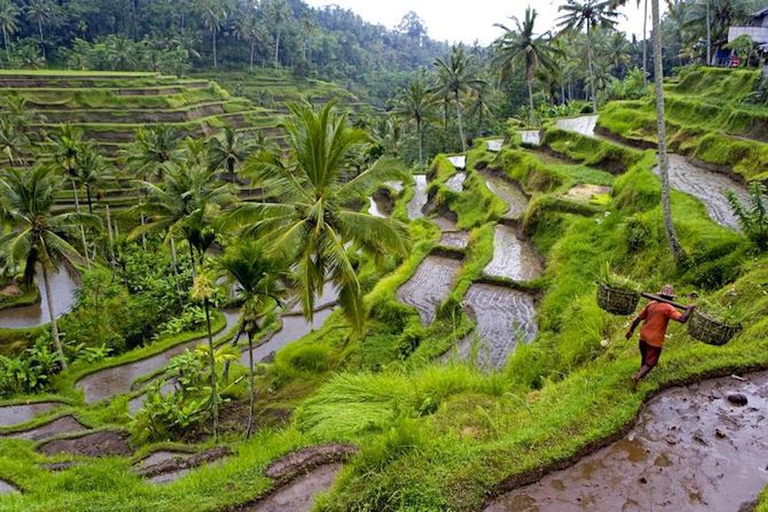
(513, 258)
(705, 185)
(429, 286)
(62, 425)
(11, 415)
(114, 381)
(505, 317)
(63, 289)
(507, 192)
(708, 187)
(692, 449)
(419, 199)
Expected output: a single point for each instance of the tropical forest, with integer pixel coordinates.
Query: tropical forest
(273, 255)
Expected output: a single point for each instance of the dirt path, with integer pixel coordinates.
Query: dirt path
(508, 193)
(17, 414)
(63, 425)
(113, 381)
(692, 449)
(703, 184)
(419, 200)
(505, 317)
(429, 286)
(63, 288)
(513, 258)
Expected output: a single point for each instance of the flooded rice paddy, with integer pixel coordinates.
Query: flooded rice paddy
(429, 286)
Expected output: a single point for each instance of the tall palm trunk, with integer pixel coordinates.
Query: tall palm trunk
(529, 83)
(7, 48)
(421, 143)
(669, 226)
(645, 43)
(192, 260)
(88, 194)
(42, 39)
(214, 390)
(175, 264)
(461, 127)
(110, 240)
(249, 430)
(591, 70)
(215, 56)
(52, 316)
(277, 47)
(82, 230)
(709, 37)
(253, 50)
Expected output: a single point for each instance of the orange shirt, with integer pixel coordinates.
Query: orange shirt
(657, 316)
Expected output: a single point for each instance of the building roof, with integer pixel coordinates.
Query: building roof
(759, 14)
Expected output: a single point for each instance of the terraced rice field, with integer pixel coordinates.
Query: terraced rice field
(513, 258)
(419, 200)
(508, 192)
(429, 286)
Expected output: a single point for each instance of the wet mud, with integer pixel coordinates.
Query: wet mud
(165, 467)
(160, 457)
(63, 425)
(429, 286)
(456, 182)
(505, 317)
(507, 192)
(63, 288)
(11, 415)
(585, 192)
(707, 186)
(419, 200)
(113, 381)
(513, 258)
(300, 495)
(98, 444)
(692, 449)
(455, 239)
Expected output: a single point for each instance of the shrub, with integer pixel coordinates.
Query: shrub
(753, 217)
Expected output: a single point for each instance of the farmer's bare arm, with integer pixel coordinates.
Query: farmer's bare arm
(687, 315)
(632, 328)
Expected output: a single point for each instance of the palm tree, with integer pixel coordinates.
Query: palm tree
(589, 14)
(279, 13)
(455, 78)
(38, 237)
(9, 14)
(413, 105)
(228, 151)
(151, 148)
(258, 279)
(42, 12)
(14, 143)
(310, 226)
(121, 52)
(616, 52)
(203, 289)
(521, 46)
(214, 16)
(93, 173)
(249, 29)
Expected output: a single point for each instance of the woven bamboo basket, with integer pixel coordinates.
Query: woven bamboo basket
(617, 302)
(710, 331)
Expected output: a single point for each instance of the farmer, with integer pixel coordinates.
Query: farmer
(655, 318)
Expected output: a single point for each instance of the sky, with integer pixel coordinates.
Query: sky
(452, 21)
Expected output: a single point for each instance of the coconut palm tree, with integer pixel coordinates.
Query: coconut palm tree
(278, 12)
(521, 46)
(203, 289)
(151, 148)
(41, 13)
(14, 143)
(258, 279)
(214, 17)
(413, 104)
(589, 15)
(249, 29)
(92, 173)
(38, 237)
(310, 227)
(9, 15)
(228, 151)
(456, 77)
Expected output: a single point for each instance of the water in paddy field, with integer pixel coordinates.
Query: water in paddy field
(529, 137)
(458, 161)
(63, 289)
(429, 286)
(513, 258)
(455, 239)
(508, 193)
(295, 327)
(692, 449)
(708, 187)
(396, 186)
(114, 381)
(494, 146)
(375, 210)
(63, 425)
(17, 414)
(299, 495)
(419, 200)
(505, 317)
(456, 182)
(585, 125)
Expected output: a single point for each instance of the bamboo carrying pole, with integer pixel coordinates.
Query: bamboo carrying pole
(662, 299)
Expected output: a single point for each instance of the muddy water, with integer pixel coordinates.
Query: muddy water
(513, 258)
(135, 404)
(294, 328)
(508, 193)
(429, 286)
(63, 289)
(6, 488)
(455, 239)
(708, 187)
(113, 381)
(299, 495)
(375, 210)
(419, 197)
(584, 125)
(530, 137)
(691, 450)
(505, 317)
(17, 414)
(456, 182)
(329, 296)
(161, 456)
(63, 425)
